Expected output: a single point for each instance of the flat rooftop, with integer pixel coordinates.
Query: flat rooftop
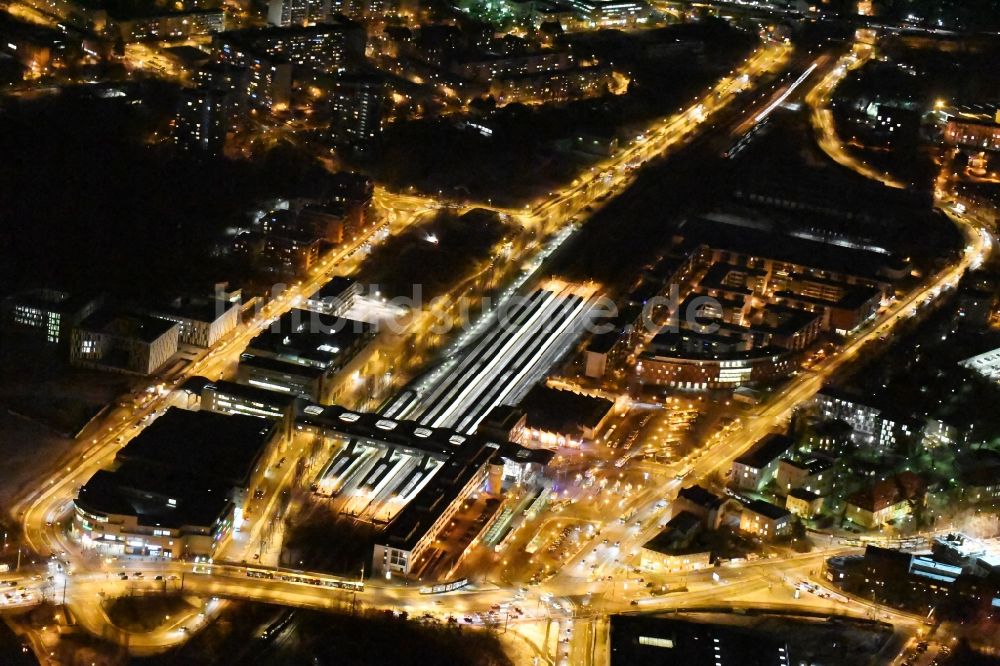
(335, 288)
(252, 393)
(719, 233)
(52, 300)
(157, 499)
(465, 456)
(180, 470)
(701, 497)
(404, 432)
(145, 328)
(206, 444)
(311, 338)
(561, 411)
(653, 641)
(205, 310)
(255, 36)
(279, 365)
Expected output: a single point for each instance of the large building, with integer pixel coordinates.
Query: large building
(48, 315)
(611, 13)
(204, 321)
(652, 640)
(553, 418)
(875, 428)
(673, 549)
(179, 488)
(357, 105)
(757, 295)
(224, 397)
(336, 45)
(986, 364)
(335, 297)
(269, 56)
(958, 579)
(201, 121)
(172, 25)
(431, 471)
(124, 342)
(285, 13)
(551, 86)
(302, 353)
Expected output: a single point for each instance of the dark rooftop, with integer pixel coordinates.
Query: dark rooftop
(556, 410)
(195, 309)
(274, 398)
(803, 494)
(53, 299)
(765, 451)
(335, 288)
(717, 232)
(887, 492)
(278, 365)
(651, 641)
(171, 500)
(812, 464)
(676, 537)
(311, 338)
(180, 470)
(700, 496)
(224, 448)
(772, 511)
(127, 324)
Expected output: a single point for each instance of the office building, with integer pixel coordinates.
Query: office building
(203, 321)
(123, 342)
(335, 297)
(224, 397)
(611, 13)
(47, 315)
(302, 354)
(959, 579)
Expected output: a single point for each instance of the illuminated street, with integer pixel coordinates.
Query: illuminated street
(661, 413)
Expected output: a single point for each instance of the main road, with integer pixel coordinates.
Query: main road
(41, 509)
